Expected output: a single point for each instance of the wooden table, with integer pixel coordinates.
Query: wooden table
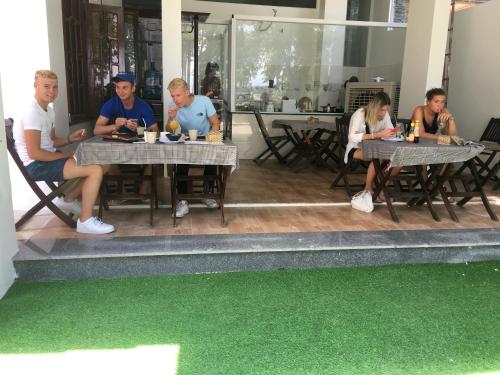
(419, 156)
(311, 144)
(97, 151)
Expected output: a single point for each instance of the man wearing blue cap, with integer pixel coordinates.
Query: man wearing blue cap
(125, 111)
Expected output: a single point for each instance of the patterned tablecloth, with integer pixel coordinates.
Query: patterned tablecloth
(425, 152)
(97, 151)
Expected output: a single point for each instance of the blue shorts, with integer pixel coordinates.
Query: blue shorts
(47, 170)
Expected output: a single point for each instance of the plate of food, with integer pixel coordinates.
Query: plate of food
(120, 137)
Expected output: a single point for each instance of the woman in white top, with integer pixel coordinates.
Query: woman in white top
(370, 122)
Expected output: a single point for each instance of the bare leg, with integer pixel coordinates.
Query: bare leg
(91, 181)
(76, 191)
(145, 188)
(370, 174)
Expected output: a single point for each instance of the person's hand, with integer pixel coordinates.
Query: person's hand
(209, 93)
(172, 111)
(69, 154)
(386, 133)
(78, 135)
(120, 121)
(131, 124)
(445, 116)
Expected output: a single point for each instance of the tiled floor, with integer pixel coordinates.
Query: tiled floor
(267, 199)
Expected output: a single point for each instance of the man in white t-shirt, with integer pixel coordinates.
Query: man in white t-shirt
(36, 144)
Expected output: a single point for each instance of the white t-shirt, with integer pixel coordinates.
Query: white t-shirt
(35, 118)
(357, 128)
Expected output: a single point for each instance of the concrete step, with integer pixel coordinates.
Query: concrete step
(105, 257)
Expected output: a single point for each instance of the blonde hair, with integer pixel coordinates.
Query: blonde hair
(178, 83)
(45, 74)
(379, 100)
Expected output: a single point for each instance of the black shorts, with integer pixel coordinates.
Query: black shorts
(350, 155)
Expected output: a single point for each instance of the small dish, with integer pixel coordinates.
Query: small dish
(173, 137)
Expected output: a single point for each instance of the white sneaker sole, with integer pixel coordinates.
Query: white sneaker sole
(94, 231)
(361, 209)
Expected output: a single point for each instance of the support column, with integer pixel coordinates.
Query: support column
(425, 49)
(8, 243)
(40, 48)
(171, 45)
(332, 52)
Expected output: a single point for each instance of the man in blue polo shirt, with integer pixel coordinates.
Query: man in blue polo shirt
(125, 111)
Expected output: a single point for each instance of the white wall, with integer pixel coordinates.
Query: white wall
(474, 90)
(8, 243)
(332, 53)
(224, 11)
(57, 64)
(171, 44)
(40, 48)
(425, 47)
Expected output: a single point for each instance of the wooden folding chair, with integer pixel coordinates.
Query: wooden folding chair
(352, 167)
(488, 169)
(274, 143)
(45, 199)
(126, 185)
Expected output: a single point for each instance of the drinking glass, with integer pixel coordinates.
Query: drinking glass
(441, 127)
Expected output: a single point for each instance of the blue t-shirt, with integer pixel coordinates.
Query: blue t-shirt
(141, 111)
(195, 115)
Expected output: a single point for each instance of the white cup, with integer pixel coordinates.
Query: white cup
(150, 137)
(193, 134)
(140, 131)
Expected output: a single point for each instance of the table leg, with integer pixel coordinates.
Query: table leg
(383, 178)
(440, 186)
(224, 172)
(173, 190)
(425, 189)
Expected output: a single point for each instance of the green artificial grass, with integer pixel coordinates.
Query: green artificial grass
(419, 319)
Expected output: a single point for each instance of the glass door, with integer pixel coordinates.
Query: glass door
(106, 51)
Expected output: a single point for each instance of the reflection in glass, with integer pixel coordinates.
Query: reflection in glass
(129, 43)
(309, 63)
(212, 53)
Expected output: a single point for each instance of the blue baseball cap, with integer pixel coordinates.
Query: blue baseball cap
(124, 76)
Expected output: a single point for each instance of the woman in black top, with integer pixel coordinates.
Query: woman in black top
(434, 113)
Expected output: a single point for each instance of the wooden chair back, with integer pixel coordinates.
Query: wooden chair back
(45, 199)
(261, 124)
(342, 126)
(492, 131)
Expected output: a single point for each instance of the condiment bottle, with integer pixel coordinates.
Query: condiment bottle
(416, 132)
(411, 135)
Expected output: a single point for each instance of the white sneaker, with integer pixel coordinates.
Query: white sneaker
(93, 225)
(362, 201)
(73, 207)
(210, 203)
(182, 209)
